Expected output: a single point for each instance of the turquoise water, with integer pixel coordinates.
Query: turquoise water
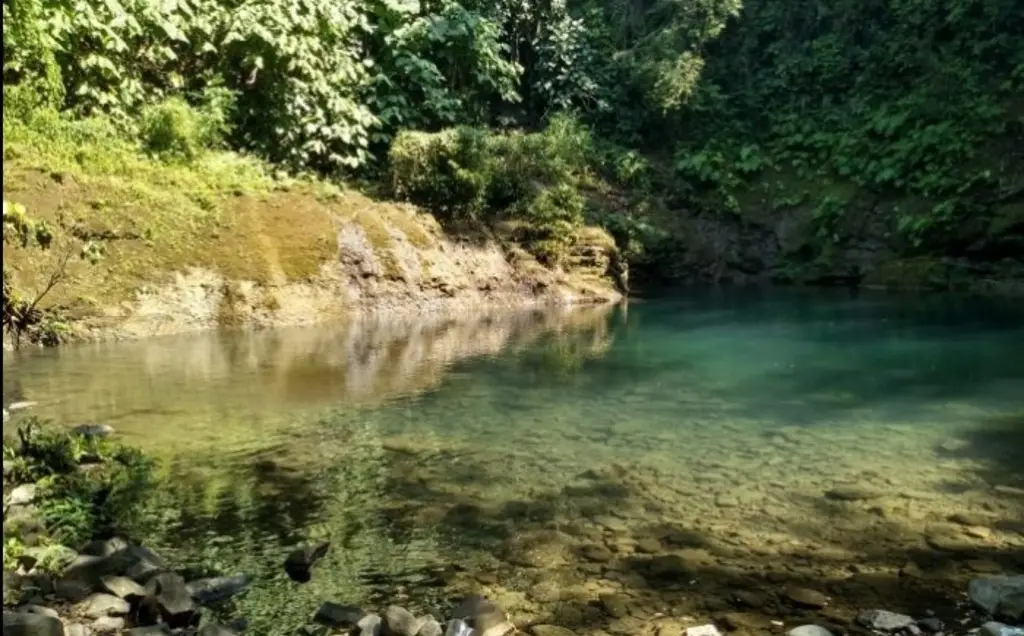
(493, 453)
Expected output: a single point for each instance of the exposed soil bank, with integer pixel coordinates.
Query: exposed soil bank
(292, 255)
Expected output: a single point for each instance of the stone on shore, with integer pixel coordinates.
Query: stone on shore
(25, 624)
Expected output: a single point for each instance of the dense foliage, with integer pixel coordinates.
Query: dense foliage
(86, 485)
(902, 116)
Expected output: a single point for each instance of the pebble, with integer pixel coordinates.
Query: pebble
(852, 493)
(884, 621)
(804, 597)
(809, 630)
(614, 605)
(597, 553)
(550, 630)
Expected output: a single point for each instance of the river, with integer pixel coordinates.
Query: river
(737, 441)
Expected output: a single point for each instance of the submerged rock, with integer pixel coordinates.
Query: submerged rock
(884, 621)
(299, 563)
(852, 493)
(809, 630)
(338, 616)
(94, 430)
(217, 588)
(803, 597)
(215, 629)
(1000, 596)
(999, 629)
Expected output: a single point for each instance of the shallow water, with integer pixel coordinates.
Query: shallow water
(521, 448)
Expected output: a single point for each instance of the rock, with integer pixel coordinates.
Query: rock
(884, 621)
(39, 609)
(931, 624)
(136, 562)
(217, 588)
(94, 430)
(430, 627)
(550, 630)
(702, 630)
(105, 547)
(23, 624)
(167, 598)
(370, 625)
(753, 623)
(596, 553)
(749, 598)
(852, 493)
(809, 630)
(22, 495)
(999, 629)
(1000, 596)
(399, 621)
(77, 629)
(123, 587)
(968, 519)
(803, 597)
(98, 605)
(74, 591)
(948, 541)
(108, 625)
(299, 563)
(215, 629)
(670, 566)
(614, 605)
(338, 616)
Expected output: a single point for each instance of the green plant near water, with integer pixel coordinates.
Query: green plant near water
(25, 318)
(86, 485)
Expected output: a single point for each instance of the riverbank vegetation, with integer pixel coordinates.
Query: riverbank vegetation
(723, 140)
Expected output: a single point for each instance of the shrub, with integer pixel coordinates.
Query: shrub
(75, 503)
(174, 128)
(444, 172)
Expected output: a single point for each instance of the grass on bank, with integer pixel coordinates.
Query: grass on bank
(161, 215)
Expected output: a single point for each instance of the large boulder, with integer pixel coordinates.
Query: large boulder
(1000, 596)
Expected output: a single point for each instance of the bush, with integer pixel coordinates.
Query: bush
(174, 128)
(445, 172)
(531, 179)
(87, 486)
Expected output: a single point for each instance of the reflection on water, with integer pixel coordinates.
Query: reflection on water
(238, 388)
(546, 458)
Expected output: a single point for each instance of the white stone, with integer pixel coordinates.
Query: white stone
(703, 630)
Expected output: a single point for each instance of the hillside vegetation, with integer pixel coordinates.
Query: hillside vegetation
(877, 142)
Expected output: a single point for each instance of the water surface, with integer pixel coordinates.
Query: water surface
(503, 453)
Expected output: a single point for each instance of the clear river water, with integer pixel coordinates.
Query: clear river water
(672, 454)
